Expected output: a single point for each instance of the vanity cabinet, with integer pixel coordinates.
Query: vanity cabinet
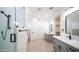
(48, 37)
(72, 49)
(60, 46)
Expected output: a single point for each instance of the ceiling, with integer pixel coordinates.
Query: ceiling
(44, 13)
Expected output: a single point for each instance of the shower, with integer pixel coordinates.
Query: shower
(7, 27)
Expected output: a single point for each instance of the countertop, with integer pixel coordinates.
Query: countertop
(73, 43)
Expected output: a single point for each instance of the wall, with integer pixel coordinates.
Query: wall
(20, 16)
(38, 28)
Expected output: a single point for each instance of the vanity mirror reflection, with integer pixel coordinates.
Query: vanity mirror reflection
(72, 23)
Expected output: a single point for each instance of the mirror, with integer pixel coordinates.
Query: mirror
(50, 28)
(72, 23)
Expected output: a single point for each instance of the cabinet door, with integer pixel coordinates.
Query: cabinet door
(60, 46)
(72, 49)
(54, 44)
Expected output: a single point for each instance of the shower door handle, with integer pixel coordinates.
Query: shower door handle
(22, 30)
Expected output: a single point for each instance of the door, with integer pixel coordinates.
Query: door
(6, 45)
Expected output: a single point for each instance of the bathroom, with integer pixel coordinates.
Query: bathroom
(39, 29)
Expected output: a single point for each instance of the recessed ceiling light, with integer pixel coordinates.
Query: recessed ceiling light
(50, 7)
(35, 19)
(39, 9)
(39, 16)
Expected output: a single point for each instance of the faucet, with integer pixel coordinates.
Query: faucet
(69, 36)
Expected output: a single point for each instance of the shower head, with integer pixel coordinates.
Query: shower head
(3, 13)
(8, 18)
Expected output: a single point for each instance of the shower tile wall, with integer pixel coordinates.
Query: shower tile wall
(6, 45)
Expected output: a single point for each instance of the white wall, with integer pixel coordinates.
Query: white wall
(38, 28)
(20, 16)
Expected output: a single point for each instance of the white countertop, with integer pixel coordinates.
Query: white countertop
(73, 43)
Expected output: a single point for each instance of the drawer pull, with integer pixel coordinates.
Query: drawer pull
(72, 50)
(59, 47)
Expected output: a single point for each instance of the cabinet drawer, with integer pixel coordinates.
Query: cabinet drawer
(60, 46)
(72, 49)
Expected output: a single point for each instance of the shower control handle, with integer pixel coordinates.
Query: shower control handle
(12, 37)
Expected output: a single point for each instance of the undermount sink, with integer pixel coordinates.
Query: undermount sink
(74, 39)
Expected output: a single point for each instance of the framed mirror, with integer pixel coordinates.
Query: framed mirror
(72, 23)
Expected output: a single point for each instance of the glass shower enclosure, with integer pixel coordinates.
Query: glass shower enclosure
(10, 18)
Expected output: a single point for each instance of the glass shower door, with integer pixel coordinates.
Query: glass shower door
(7, 42)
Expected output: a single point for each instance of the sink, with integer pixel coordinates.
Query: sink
(74, 39)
